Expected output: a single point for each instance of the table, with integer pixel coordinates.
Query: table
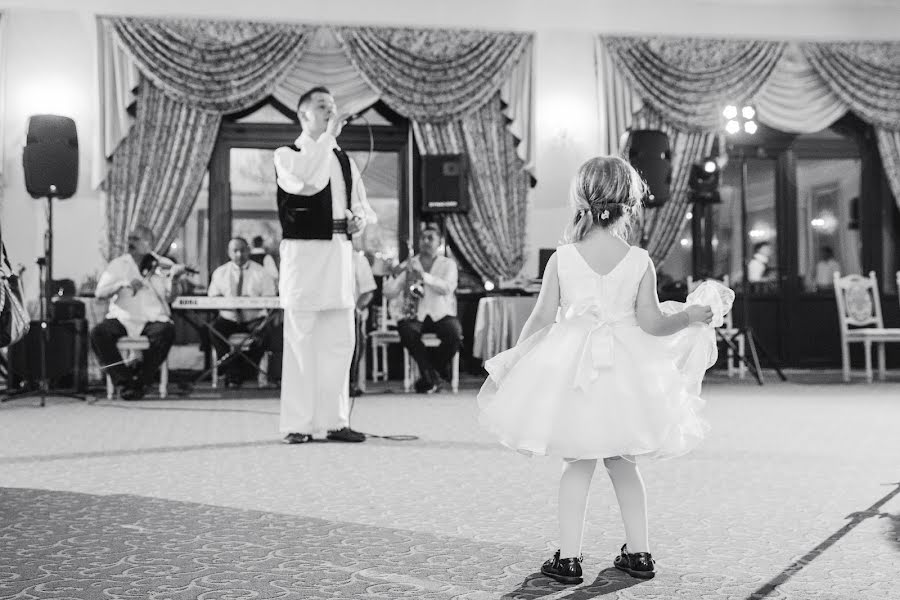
(498, 323)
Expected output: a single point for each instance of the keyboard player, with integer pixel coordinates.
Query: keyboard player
(240, 276)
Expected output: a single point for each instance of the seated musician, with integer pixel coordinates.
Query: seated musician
(240, 277)
(427, 283)
(140, 289)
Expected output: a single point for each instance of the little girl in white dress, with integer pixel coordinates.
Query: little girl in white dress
(617, 376)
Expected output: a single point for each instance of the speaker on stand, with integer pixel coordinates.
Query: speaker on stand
(50, 162)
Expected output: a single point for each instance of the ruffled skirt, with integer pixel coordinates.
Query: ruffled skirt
(643, 400)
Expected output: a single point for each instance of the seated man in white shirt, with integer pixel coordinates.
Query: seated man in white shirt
(240, 277)
(140, 292)
(427, 283)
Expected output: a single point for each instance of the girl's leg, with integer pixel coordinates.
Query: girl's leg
(573, 491)
(629, 486)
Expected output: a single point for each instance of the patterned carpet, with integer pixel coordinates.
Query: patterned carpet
(793, 496)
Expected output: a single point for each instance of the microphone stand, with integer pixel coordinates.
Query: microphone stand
(45, 264)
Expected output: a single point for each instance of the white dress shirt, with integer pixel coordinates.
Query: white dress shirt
(257, 282)
(134, 309)
(825, 270)
(362, 274)
(756, 267)
(268, 262)
(440, 283)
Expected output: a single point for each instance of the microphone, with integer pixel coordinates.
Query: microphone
(353, 117)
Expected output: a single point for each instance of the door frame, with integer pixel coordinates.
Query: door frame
(269, 136)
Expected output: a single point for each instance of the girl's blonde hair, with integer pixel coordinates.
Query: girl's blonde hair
(606, 192)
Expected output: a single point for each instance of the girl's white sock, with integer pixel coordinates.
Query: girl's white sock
(573, 491)
(632, 497)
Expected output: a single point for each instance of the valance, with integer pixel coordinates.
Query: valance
(218, 66)
(433, 74)
(689, 80)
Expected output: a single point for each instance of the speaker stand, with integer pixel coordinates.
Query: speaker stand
(45, 264)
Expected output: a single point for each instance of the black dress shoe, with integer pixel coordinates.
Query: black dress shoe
(636, 564)
(563, 570)
(297, 438)
(346, 434)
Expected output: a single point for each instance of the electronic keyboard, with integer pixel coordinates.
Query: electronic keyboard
(225, 302)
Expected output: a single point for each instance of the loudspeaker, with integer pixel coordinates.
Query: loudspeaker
(445, 183)
(50, 157)
(66, 351)
(648, 152)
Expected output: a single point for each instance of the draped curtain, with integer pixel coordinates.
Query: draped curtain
(683, 82)
(450, 84)
(192, 72)
(464, 91)
(800, 88)
(866, 77)
(491, 234)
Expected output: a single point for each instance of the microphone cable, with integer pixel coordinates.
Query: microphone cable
(400, 437)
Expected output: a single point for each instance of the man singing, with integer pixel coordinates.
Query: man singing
(140, 295)
(240, 277)
(321, 202)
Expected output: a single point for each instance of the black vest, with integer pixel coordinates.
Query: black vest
(310, 217)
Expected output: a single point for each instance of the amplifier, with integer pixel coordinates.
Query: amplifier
(66, 352)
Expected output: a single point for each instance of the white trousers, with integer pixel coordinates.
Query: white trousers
(318, 348)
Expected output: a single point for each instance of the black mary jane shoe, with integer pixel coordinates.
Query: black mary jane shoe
(563, 570)
(636, 564)
(297, 438)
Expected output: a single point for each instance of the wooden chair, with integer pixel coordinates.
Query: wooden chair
(859, 314)
(241, 341)
(131, 348)
(733, 362)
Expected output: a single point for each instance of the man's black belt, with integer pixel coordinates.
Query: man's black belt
(339, 226)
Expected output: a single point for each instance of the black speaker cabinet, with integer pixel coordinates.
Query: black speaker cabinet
(66, 352)
(445, 183)
(648, 152)
(50, 157)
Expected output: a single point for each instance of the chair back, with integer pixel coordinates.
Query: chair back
(385, 320)
(858, 302)
(728, 321)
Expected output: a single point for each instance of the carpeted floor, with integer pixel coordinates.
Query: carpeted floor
(794, 495)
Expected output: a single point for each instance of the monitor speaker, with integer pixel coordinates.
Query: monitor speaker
(649, 153)
(66, 353)
(445, 183)
(50, 157)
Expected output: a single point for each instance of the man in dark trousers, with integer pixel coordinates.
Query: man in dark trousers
(140, 291)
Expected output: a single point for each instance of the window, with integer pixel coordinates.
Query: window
(828, 237)
(762, 225)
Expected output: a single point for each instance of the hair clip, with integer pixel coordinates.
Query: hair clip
(604, 215)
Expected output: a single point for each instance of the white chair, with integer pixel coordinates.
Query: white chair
(130, 348)
(859, 314)
(733, 361)
(380, 339)
(241, 341)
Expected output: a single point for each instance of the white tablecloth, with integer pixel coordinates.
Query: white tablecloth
(498, 323)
